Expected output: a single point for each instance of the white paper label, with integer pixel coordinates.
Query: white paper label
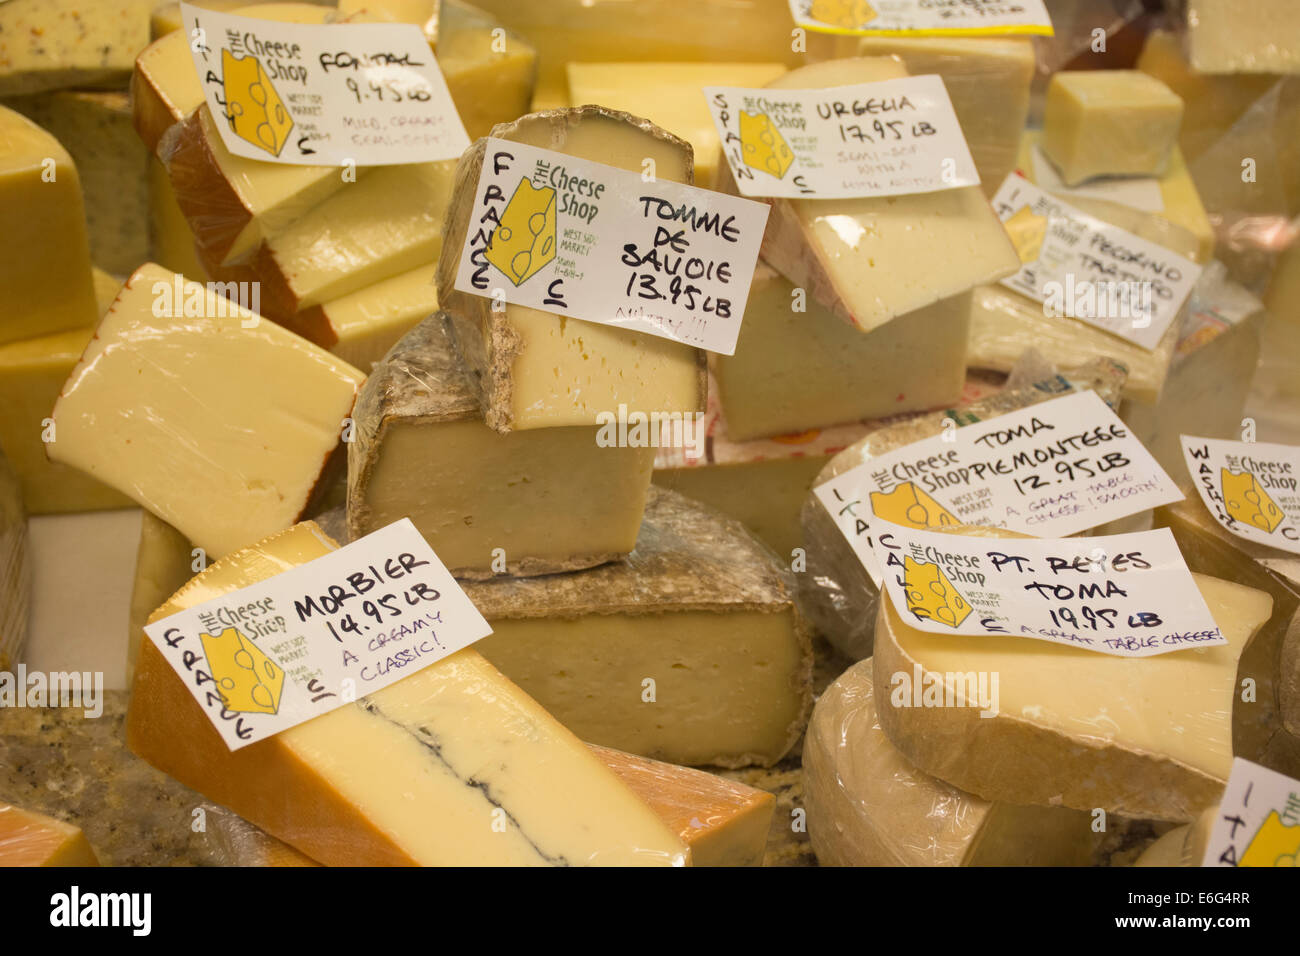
(363, 94)
(1136, 192)
(871, 139)
(1050, 470)
(280, 652)
(602, 244)
(923, 17)
(1251, 488)
(1087, 269)
(1128, 595)
(1258, 822)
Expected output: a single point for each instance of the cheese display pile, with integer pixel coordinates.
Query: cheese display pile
(220, 372)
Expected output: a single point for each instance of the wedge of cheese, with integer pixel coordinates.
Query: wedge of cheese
(1181, 846)
(795, 370)
(50, 44)
(1149, 737)
(44, 255)
(171, 244)
(362, 326)
(690, 650)
(15, 569)
(164, 561)
(454, 765)
(1225, 37)
(240, 411)
(867, 806)
(423, 13)
(871, 260)
(490, 70)
(533, 369)
(33, 839)
(669, 95)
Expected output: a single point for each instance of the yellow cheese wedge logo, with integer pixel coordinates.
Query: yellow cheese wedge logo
(254, 108)
(908, 505)
(249, 681)
(762, 146)
(525, 241)
(1247, 501)
(931, 595)
(1276, 844)
(842, 13)
(1027, 232)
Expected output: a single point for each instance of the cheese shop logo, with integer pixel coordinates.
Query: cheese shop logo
(527, 236)
(930, 595)
(911, 507)
(762, 146)
(1247, 501)
(253, 106)
(248, 680)
(1277, 841)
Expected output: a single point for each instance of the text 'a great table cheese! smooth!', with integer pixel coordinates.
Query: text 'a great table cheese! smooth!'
(366, 94)
(578, 238)
(302, 643)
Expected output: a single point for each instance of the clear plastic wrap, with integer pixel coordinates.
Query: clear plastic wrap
(230, 840)
(15, 571)
(33, 839)
(867, 806)
(1181, 846)
(835, 592)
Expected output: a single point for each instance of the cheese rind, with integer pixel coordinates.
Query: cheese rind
(15, 569)
(239, 411)
(49, 44)
(33, 839)
(532, 502)
(453, 765)
(533, 369)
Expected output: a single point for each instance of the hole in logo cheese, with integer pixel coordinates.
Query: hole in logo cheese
(49, 44)
(33, 839)
(533, 369)
(867, 806)
(552, 499)
(181, 411)
(408, 775)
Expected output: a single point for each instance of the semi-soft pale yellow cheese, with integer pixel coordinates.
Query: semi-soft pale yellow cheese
(1109, 123)
(533, 369)
(33, 839)
(171, 243)
(1262, 36)
(164, 561)
(795, 370)
(669, 95)
(867, 806)
(490, 70)
(180, 411)
(1144, 737)
(453, 765)
(871, 260)
(531, 502)
(44, 255)
(365, 324)
(422, 13)
(689, 650)
(49, 44)
(15, 569)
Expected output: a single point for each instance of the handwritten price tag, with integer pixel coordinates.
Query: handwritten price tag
(280, 652)
(1258, 823)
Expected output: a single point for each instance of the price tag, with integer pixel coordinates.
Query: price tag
(602, 244)
(1258, 823)
(1081, 267)
(367, 94)
(1050, 470)
(1127, 595)
(924, 17)
(280, 652)
(872, 139)
(1251, 488)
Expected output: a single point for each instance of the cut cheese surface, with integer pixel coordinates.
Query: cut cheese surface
(170, 240)
(162, 405)
(15, 569)
(1227, 37)
(533, 369)
(48, 44)
(33, 839)
(367, 323)
(531, 502)
(490, 70)
(44, 254)
(453, 765)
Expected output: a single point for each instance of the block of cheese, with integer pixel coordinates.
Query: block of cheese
(1260, 37)
(988, 81)
(1147, 737)
(240, 411)
(870, 260)
(668, 95)
(33, 839)
(690, 650)
(425, 771)
(798, 370)
(362, 326)
(422, 13)
(387, 223)
(171, 244)
(48, 44)
(724, 823)
(32, 372)
(15, 569)
(1181, 846)
(867, 806)
(1109, 123)
(533, 369)
(95, 129)
(232, 203)
(44, 255)
(164, 561)
(835, 592)
(490, 70)
(106, 289)
(531, 502)
(166, 17)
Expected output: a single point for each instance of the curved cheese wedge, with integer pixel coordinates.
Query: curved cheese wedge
(33, 839)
